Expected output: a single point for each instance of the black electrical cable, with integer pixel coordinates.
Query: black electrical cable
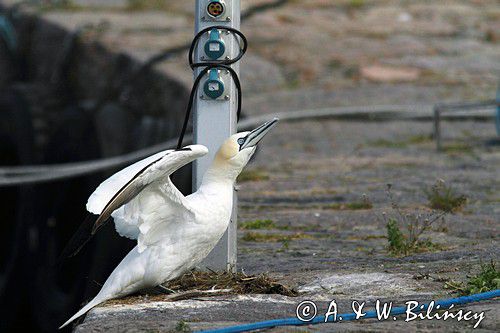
(208, 65)
(193, 93)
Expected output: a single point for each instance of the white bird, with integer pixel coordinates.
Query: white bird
(174, 233)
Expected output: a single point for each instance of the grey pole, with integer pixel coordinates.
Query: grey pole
(437, 127)
(215, 117)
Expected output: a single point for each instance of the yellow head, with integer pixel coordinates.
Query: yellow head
(237, 150)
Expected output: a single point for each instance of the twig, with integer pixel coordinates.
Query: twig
(196, 293)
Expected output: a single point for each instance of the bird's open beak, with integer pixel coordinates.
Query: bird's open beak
(257, 134)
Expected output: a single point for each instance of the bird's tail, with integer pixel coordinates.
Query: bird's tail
(97, 300)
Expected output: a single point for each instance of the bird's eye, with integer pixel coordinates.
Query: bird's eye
(241, 141)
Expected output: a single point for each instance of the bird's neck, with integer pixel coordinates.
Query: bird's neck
(215, 193)
(218, 177)
(220, 172)
(218, 185)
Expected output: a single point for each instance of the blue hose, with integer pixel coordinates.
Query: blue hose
(446, 303)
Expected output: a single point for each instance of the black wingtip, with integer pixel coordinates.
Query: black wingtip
(98, 223)
(79, 239)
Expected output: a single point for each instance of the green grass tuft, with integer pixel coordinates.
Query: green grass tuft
(356, 4)
(458, 148)
(63, 5)
(139, 5)
(487, 279)
(365, 204)
(258, 224)
(388, 143)
(419, 138)
(445, 198)
(182, 326)
(273, 238)
(252, 176)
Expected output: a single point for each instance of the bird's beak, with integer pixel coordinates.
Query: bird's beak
(257, 134)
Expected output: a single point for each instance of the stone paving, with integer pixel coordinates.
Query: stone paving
(438, 51)
(309, 54)
(341, 253)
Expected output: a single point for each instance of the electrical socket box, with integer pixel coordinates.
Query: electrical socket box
(216, 10)
(215, 87)
(214, 47)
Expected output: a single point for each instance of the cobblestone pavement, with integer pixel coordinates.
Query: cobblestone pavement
(309, 177)
(305, 179)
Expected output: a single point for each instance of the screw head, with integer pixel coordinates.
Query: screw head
(226, 97)
(228, 18)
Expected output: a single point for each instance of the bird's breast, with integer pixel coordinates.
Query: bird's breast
(213, 205)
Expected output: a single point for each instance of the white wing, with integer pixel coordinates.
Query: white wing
(124, 188)
(108, 188)
(151, 213)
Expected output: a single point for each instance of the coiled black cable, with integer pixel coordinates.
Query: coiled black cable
(208, 65)
(196, 39)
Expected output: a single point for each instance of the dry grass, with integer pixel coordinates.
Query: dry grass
(238, 283)
(195, 284)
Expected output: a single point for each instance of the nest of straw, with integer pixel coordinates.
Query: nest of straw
(196, 284)
(237, 283)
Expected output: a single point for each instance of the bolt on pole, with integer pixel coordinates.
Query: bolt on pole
(215, 107)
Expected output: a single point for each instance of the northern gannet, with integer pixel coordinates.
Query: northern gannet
(174, 233)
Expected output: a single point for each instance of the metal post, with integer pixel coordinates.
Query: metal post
(215, 119)
(497, 119)
(437, 127)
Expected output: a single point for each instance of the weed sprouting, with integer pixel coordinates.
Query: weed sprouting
(487, 279)
(445, 198)
(182, 326)
(396, 239)
(408, 242)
